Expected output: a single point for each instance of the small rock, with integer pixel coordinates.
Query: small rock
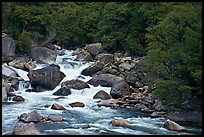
(86, 126)
(102, 95)
(77, 104)
(63, 91)
(120, 122)
(55, 118)
(18, 98)
(56, 106)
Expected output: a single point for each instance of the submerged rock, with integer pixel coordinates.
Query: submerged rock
(120, 122)
(77, 104)
(55, 117)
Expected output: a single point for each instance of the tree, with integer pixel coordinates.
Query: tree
(175, 45)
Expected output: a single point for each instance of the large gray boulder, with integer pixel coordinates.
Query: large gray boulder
(48, 77)
(105, 80)
(43, 55)
(75, 84)
(26, 129)
(97, 66)
(8, 47)
(105, 58)
(94, 48)
(33, 116)
(120, 89)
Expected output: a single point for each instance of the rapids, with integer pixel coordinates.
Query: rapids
(75, 118)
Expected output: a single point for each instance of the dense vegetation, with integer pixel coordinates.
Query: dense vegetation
(169, 35)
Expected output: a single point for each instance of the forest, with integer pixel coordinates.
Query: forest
(167, 34)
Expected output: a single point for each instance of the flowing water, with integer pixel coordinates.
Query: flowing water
(74, 118)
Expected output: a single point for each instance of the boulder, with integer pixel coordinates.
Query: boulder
(105, 58)
(30, 65)
(84, 57)
(15, 83)
(120, 89)
(33, 116)
(108, 103)
(94, 48)
(185, 116)
(126, 59)
(4, 94)
(120, 122)
(8, 48)
(56, 106)
(48, 77)
(63, 91)
(55, 117)
(127, 66)
(75, 84)
(77, 104)
(6, 71)
(130, 78)
(171, 125)
(97, 66)
(43, 55)
(138, 84)
(105, 80)
(102, 95)
(18, 98)
(110, 71)
(26, 129)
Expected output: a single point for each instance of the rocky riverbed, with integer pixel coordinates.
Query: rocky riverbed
(84, 91)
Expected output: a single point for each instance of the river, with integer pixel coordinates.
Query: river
(75, 118)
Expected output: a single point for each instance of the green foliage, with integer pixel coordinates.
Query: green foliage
(174, 49)
(167, 91)
(23, 43)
